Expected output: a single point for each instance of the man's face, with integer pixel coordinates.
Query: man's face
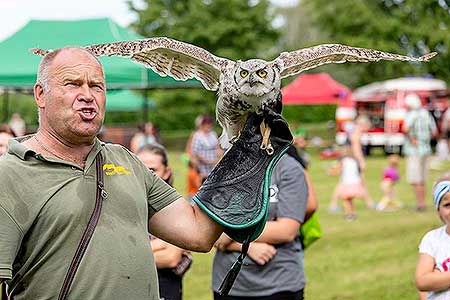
(4, 137)
(74, 106)
(154, 162)
(444, 209)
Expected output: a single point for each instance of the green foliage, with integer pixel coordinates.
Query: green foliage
(177, 109)
(413, 27)
(233, 29)
(23, 104)
(373, 257)
(308, 113)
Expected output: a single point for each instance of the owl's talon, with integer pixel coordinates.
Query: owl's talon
(270, 149)
(234, 138)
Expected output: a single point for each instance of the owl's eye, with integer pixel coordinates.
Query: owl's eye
(244, 73)
(262, 73)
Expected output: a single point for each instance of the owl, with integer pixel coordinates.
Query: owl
(242, 86)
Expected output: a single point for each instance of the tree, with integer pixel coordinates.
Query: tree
(412, 27)
(234, 29)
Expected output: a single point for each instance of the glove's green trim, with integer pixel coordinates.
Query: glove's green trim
(264, 210)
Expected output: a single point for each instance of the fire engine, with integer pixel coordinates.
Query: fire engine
(383, 102)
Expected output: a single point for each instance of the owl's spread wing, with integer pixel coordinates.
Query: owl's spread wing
(294, 62)
(165, 56)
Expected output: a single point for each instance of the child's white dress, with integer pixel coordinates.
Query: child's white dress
(350, 183)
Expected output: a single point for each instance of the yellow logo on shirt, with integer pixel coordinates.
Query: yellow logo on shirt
(112, 169)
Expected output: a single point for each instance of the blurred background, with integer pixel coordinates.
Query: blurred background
(372, 258)
(232, 29)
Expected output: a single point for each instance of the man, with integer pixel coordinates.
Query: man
(48, 193)
(419, 128)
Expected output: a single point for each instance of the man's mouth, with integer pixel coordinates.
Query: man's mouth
(87, 114)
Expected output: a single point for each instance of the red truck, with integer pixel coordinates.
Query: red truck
(383, 102)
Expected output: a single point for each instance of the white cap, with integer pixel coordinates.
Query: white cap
(413, 101)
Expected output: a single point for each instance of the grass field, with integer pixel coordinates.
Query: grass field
(372, 257)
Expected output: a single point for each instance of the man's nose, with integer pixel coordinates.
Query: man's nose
(85, 94)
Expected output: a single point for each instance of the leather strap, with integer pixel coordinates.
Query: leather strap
(88, 232)
(230, 277)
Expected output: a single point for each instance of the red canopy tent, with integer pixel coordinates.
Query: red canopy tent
(309, 89)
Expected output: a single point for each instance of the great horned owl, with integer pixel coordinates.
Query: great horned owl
(243, 86)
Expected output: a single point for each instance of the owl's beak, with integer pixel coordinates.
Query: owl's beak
(251, 81)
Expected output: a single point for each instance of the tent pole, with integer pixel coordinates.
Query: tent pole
(145, 116)
(6, 106)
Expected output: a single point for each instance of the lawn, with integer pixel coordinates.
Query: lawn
(372, 257)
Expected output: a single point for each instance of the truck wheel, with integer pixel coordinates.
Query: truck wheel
(366, 150)
(388, 150)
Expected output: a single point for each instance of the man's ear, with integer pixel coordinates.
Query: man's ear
(39, 95)
(167, 173)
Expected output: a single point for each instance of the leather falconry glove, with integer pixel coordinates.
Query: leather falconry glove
(236, 193)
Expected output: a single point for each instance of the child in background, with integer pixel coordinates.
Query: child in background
(350, 184)
(433, 267)
(390, 178)
(194, 180)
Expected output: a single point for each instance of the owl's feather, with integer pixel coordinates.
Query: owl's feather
(166, 56)
(240, 85)
(292, 63)
(184, 61)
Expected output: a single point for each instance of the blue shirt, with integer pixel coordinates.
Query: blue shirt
(420, 125)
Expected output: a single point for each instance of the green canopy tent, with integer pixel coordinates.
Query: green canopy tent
(18, 66)
(127, 101)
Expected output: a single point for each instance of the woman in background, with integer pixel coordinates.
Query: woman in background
(167, 256)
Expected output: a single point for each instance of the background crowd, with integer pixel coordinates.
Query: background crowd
(202, 152)
(375, 210)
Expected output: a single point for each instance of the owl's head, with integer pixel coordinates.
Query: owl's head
(256, 77)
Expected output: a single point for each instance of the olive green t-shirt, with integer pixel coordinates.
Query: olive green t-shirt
(45, 204)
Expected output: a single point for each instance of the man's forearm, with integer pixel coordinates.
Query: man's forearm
(185, 226)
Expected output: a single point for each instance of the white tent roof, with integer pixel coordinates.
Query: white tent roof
(402, 84)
